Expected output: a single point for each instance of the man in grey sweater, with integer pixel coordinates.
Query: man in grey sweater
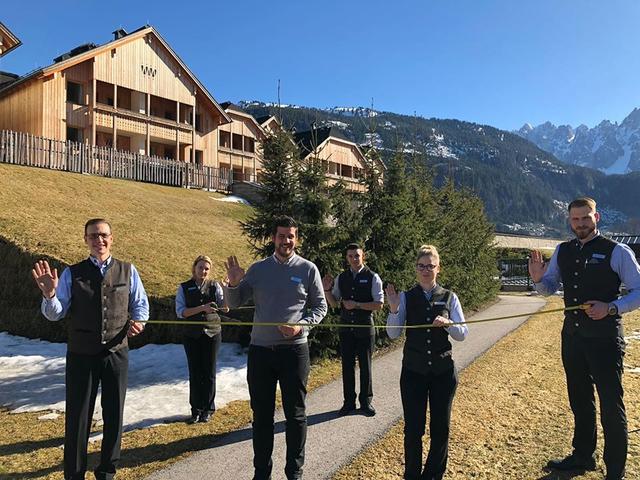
(285, 288)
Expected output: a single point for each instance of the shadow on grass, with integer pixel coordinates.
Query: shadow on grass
(134, 457)
(558, 475)
(29, 446)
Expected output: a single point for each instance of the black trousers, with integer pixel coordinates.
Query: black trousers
(83, 375)
(351, 347)
(417, 391)
(202, 353)
(589, 361)
(266, 366)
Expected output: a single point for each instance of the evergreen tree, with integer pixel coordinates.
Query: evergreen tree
(280, 167)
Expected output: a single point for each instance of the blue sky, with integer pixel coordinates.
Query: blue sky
(497, 62)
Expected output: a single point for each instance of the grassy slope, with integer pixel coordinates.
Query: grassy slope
(160, 229)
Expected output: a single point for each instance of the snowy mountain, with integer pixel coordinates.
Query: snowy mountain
(609, 147)
(525, 188)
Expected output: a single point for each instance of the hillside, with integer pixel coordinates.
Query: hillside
(524, 188)
(159, 229)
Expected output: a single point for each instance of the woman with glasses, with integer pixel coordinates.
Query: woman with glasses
(432, 315)
(199, 299)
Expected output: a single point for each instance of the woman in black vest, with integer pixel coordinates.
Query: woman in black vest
(199, 299)
(428, 374)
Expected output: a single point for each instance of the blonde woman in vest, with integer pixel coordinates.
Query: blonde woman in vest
(428, 374)
(200, 298)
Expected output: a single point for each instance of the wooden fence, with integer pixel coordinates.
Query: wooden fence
(25, 149)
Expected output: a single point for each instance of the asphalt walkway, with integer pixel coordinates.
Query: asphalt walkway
(334, 441)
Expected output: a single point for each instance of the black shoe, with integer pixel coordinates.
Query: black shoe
(194, 418)
(346, 409)
(368, 410)
(573, 462)
(205, 417)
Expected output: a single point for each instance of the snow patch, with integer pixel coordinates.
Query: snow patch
(32, 380)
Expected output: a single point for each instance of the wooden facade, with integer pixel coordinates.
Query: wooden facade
(342, 159)
(240, 144)
(133, 94)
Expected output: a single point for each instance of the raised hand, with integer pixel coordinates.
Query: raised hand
(235, 273)
(327, 282)
(393, 298)
(537, 266)
(46, 279)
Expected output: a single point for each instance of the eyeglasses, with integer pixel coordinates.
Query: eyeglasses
(95, 236)
(428, 266)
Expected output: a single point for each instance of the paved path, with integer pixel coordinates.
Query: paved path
(333, 441)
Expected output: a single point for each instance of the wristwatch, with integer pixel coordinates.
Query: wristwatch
(613, 309)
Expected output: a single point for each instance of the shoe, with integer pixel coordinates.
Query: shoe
(346, 409)
(573, 462)
(205, 417)
(368, 410)
(194, 418)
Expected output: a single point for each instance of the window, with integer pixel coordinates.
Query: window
(249, 145)
(198, 122)
(225, 139)
(198, 158)
(74, 134)
(237, 141)
(74, 93)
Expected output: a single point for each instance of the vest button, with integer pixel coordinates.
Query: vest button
(575, 286)
(429, 363)
(577, 324)
(577, 260)
(575, 312)
(575, 273)
(575, 299)
(105, 309)
(428, 341)
(429, 352)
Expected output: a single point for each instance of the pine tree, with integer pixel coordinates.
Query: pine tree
(280, 167)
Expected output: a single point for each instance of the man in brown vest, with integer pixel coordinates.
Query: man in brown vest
(106, 302)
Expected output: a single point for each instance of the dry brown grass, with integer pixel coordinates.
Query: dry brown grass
(31, 448)
(160, 229)
(511, 413)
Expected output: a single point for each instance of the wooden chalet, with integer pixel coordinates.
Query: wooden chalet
(133, 93)
(240, 144)
(342, 158)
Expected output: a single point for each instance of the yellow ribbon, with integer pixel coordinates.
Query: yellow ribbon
(347, 325)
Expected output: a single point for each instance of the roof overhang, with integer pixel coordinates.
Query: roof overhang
(8, 41)
(140, 33)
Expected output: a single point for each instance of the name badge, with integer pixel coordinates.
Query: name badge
(192, 288)
(439, 303)
(598, 255)
(296, 279)
(364, 280)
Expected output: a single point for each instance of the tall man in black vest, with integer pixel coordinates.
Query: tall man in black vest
(591, 268)
(101, 294)
(359, 291)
